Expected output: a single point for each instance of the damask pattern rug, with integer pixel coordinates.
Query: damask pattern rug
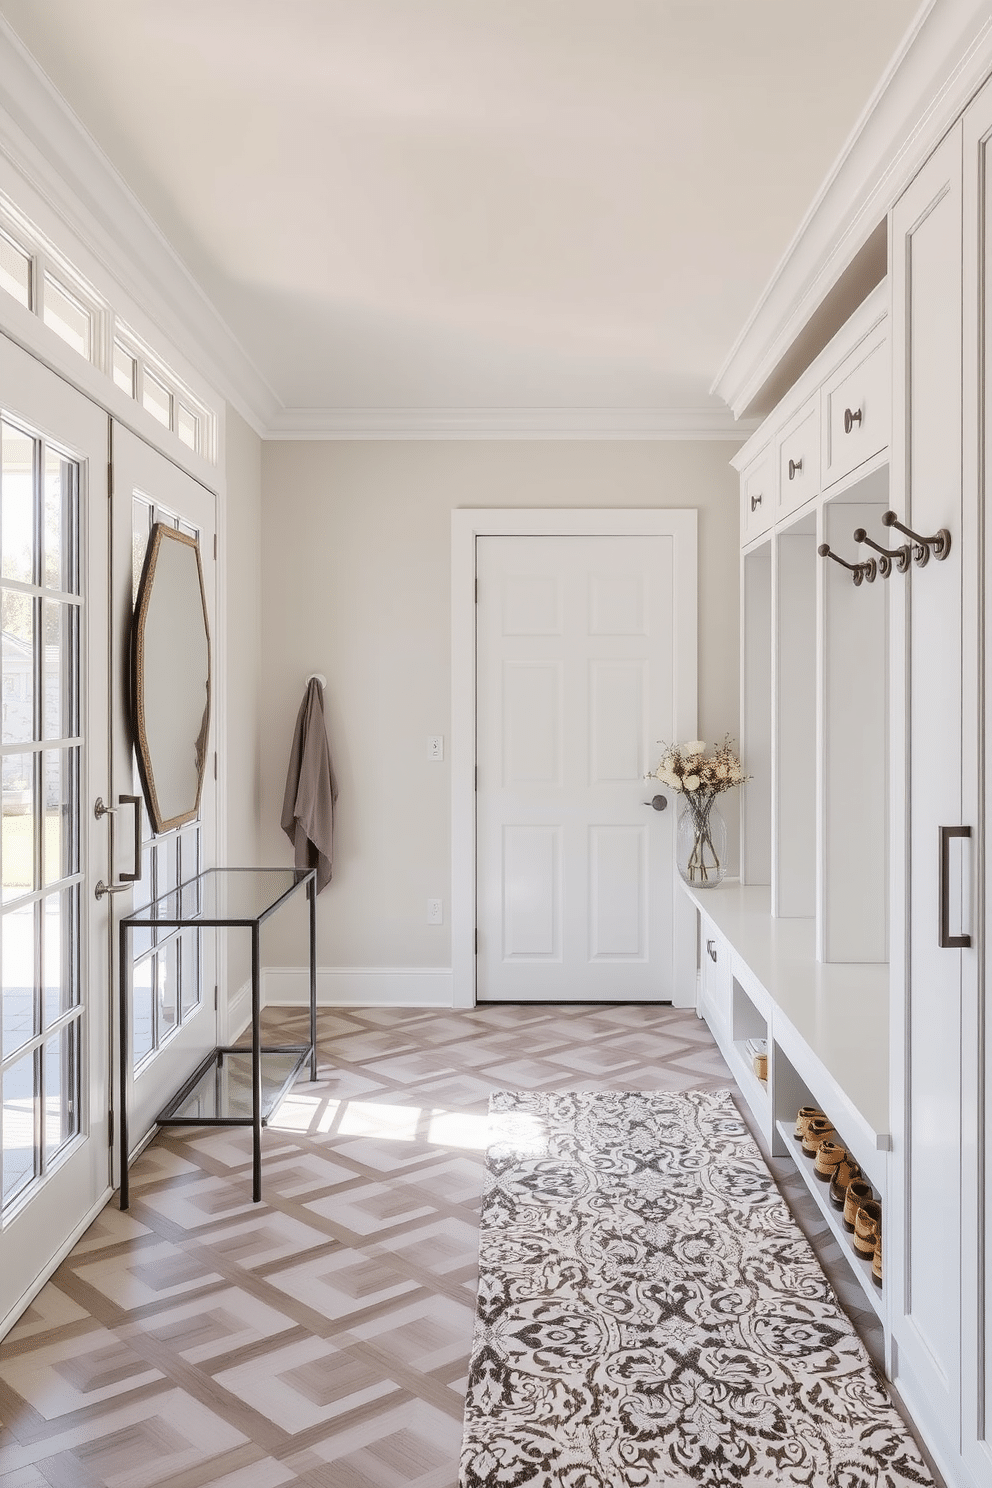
(649, 1312)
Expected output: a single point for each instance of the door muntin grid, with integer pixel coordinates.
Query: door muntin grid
(167, 972)
(42, 1009)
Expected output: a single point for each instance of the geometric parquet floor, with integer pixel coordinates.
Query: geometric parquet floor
(320, 1338)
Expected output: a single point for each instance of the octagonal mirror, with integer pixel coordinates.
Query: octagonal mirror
(170, 677)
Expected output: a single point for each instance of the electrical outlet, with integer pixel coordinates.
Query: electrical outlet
(434, 915)
(435, 747)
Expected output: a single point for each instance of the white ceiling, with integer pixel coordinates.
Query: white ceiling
(473, 203)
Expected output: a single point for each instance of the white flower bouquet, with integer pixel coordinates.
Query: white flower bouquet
(700, 778)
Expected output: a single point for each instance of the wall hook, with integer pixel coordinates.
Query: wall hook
(939, 544)
(318, 677)
(860, 571)
(901, 557)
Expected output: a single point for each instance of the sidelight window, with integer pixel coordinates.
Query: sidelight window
(41, 743)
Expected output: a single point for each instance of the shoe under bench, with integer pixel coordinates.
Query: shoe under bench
(827, 1030)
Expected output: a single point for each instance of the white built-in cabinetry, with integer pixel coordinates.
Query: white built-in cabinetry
(854, 941)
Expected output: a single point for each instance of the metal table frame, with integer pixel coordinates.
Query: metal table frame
(144, 919)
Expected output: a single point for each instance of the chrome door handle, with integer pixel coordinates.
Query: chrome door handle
(127, 879)
(657, 802)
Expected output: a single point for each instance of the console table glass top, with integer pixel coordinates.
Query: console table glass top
(223, 896)
(236, 1085)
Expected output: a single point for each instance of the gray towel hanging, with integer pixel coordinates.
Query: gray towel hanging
(311, 790)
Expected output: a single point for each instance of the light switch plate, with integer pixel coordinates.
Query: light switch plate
(435, 747)
(434, 912)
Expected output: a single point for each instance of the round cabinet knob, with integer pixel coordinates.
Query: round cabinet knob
(658, 802)
(852, 416)
(795, 468)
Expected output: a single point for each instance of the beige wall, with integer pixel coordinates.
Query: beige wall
(356, 584)
(242, 768)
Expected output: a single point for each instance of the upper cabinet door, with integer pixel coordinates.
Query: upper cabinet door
(923, 1230)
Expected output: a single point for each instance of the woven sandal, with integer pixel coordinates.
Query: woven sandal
(845, 1173)
(858, 1193)
(868, 1228)
(876, 1262)
(829, 1156)
(818, 1131)
(803, 1118)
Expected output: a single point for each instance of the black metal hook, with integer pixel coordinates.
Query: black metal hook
(939, 544)
(859, 571)
(901, 557)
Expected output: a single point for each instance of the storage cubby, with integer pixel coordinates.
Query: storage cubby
(756, 716)
(747, 1021)
(852, 919)
(794, 774)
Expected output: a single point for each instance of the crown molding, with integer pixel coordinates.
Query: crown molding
(50, 149)
(508, 423)
(944, 58)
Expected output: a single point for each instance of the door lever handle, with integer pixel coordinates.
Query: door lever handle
(127, 879)
(657, 802)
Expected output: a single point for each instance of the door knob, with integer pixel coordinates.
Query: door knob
(658, 802)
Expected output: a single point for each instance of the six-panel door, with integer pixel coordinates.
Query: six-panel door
(576, 678)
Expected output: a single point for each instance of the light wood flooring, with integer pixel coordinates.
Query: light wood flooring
(321, 1337)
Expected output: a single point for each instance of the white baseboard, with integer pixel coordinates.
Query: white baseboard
(238, 1015)
(359, 986)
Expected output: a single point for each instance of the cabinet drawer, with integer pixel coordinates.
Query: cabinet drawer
(799, 460)
(714, 977)
(758, 496)
(857, 408)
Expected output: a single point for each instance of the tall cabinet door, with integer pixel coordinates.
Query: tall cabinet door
(977, 1054)
(923, 1233)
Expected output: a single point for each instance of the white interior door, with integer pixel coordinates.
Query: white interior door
(54, 934)
(172, 1017)
(577, 680)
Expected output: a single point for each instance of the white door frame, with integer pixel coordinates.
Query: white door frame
(466, 527)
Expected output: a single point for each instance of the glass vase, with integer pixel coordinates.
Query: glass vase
(701, 842)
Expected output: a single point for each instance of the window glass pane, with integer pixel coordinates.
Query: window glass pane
(124, 369)
(60, 917)
(61, 1116)
(142, 1008)
(17, 826)
(60, 523)
(188, 427)
(141, 526)
(19, 1158)
(18, 611)
(20, 1006)
(60, 708)
(168, 987)
(67, 317)
(189, 850)
(157, 399)
(189, 971)
(167, 868)
(15, 271)
(17, 490)
(61, 846)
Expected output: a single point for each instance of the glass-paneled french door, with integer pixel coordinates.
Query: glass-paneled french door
(54, 934)
(172, 1021)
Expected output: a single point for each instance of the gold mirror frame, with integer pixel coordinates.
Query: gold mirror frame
(161, 683)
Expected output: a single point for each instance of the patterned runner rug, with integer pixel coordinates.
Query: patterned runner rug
(649, 1313)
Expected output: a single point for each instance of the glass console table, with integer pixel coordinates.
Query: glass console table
(236, 1085)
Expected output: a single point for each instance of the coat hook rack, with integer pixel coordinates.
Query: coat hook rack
(939, 544)
(901, 557)
(860, 571)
